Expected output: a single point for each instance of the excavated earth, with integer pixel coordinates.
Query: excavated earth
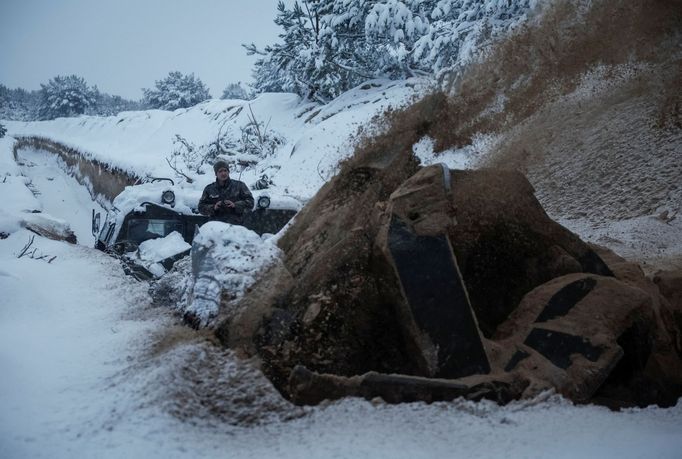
(422, 283)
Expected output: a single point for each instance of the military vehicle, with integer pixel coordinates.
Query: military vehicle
(160, 208)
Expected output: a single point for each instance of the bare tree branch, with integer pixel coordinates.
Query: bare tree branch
(179, 172)
(26, 251)
(26, 247)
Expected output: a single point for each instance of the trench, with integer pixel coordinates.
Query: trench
(69, 185)
(103, 181)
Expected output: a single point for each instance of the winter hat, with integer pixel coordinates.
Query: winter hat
(219, 164)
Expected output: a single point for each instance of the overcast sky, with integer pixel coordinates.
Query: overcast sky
(125, 45)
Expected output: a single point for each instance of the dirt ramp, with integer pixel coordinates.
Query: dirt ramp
(584, 100)
(451, 275)
(454, 275)
(322, 306)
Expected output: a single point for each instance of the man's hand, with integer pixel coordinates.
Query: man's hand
(225, 203)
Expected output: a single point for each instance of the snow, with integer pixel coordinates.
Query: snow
(226, 258)
(61, 335)
(22, 201)
(467, 157)
(13, 184)
(54, 189)
(314, 136)
(186, 197)
(652, 241)
(155, 250)
(92, 367)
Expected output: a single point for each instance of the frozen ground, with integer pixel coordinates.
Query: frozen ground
(651, 241)
(86, 374)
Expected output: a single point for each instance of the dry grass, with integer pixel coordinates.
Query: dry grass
(585, 100)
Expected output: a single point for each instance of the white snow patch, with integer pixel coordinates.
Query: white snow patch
(648, 240)
(225, 260)
(467, 157)
(315, 136)
(154, 250)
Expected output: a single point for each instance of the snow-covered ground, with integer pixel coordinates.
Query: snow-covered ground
(314, 137)
(87, 373)
(92, 368)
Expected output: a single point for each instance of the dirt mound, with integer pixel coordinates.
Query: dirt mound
(462, 275)
(451, 274)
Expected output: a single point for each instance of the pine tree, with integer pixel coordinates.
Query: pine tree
(318, 56)
(459, 26)
(65, 96)
(3, 131)
(236, 91)
(353, 56)
(176, 91)
(19, 104)
(330, 46)
(395, 26)
(286, 66)
(108, 105)
(5, 100)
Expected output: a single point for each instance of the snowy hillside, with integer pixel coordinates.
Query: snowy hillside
(311, 138)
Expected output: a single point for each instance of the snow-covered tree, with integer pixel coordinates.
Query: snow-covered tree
(459, 26)
(257, 139)
(22, 105)
(65, 96)
(318, 57)
(285, 66)
(188, 158)
(18, 104)
(329, 46)
(5, 101)
(393, 27)
(4, 96)
(236, 91)
(176, 91)
(108, 105)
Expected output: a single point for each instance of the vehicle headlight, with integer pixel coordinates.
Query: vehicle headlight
(168, 197)
(264, 202)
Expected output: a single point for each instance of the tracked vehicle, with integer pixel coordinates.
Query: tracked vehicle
(162, 210)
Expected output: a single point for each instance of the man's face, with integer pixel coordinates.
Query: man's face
(223, 174)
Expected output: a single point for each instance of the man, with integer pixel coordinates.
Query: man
(225, 200)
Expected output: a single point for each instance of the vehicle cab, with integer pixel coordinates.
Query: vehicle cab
(160, 208)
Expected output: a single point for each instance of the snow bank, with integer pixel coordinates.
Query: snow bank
(155, 250)
(225, 260)
(17, 198)
(314, 137)
(467, 157)
(20, 207)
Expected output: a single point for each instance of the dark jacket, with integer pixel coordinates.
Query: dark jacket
(232, 190)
